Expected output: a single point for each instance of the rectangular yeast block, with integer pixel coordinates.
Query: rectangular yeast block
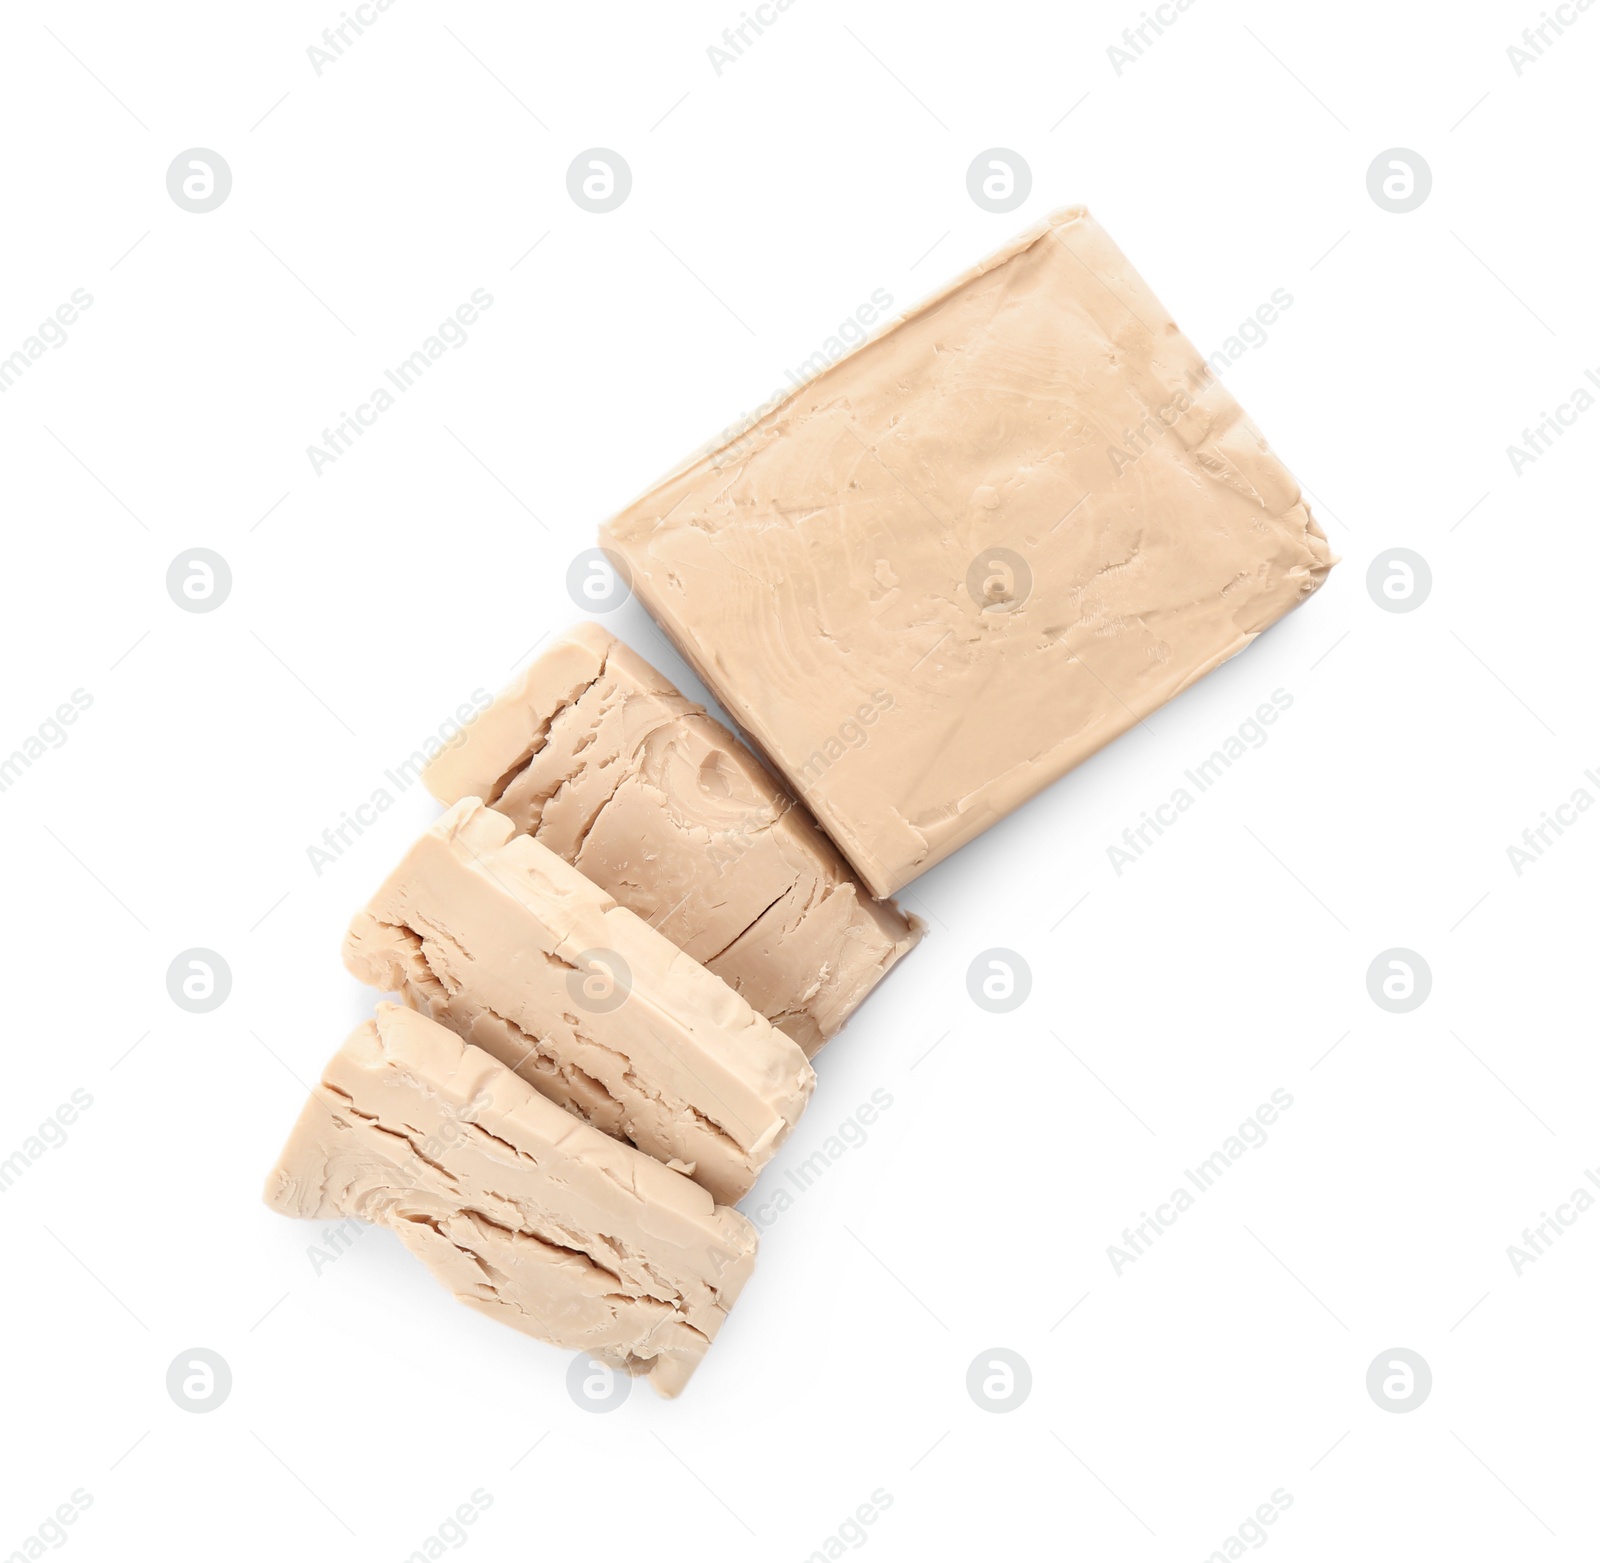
(525, 1213)
(499, 939)
(975, 550)
(595, 754)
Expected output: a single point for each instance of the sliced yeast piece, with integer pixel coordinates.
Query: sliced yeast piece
(597, 756)
(526, 1214)
(495, 936)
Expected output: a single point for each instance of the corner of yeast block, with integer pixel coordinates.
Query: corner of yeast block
(473, 824)
(591, 636)
(366, 1046)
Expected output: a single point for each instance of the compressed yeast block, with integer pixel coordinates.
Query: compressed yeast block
(593, 753)
(493, 935)
(525, 1213)
(967, 555)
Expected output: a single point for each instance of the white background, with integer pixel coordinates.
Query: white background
(1168, 1002)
